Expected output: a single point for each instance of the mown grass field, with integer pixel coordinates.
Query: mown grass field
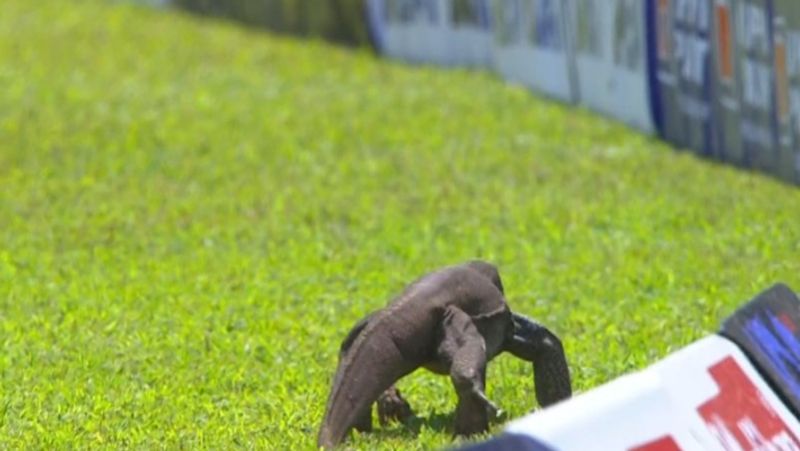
(193, 215)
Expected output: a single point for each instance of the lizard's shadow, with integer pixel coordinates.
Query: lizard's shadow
(437, 422)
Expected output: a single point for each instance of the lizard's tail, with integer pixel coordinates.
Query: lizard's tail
(371, 366)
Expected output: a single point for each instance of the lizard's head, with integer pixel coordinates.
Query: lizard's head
(488, 270)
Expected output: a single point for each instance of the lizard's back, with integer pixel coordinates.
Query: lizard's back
(413, 318)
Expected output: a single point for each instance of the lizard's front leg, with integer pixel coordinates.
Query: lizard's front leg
(464, 349)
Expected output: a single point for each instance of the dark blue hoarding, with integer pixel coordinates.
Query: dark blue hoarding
(681, 72)
(786, 50)
(754, 57)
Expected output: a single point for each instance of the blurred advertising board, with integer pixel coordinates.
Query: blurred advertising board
(610, 59)
(409, 30)
(469, 34)
(681, 73)
(753, 60)
(532, 46)
(786, 41)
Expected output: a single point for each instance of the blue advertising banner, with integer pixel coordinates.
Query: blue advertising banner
(468, 33)
(681, 72)
(610, 59)
(727, 82)
(531, 45)
(786, 48)
(755, 65)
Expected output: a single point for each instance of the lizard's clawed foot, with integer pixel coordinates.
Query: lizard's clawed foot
(474, 412)
(471, 418)
(392, 407)
(492, 411)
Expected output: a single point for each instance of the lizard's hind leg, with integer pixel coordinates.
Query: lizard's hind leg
(392, 407)
(537, 344)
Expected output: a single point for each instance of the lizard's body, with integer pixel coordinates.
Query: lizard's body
(452, 321)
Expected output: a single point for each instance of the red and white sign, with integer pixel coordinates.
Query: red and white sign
(665, 443)
(740, 417)
(722, 395)
(705, 396)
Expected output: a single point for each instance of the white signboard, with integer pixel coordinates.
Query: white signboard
(611, 59)
(629, 412)
(532, 47)
(468, 32)
(409, 30)
(705, 396)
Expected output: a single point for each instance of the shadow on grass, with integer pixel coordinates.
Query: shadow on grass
(438, 422)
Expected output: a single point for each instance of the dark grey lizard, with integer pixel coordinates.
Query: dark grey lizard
(452, 321)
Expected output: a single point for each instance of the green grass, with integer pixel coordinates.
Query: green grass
(193, 215)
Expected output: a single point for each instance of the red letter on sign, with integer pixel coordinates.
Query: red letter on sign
(665, 443)
(740, 417)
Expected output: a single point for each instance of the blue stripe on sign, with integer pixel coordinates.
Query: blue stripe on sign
(375, 15)
(780, 346)
(509, 442)
(656, 105)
